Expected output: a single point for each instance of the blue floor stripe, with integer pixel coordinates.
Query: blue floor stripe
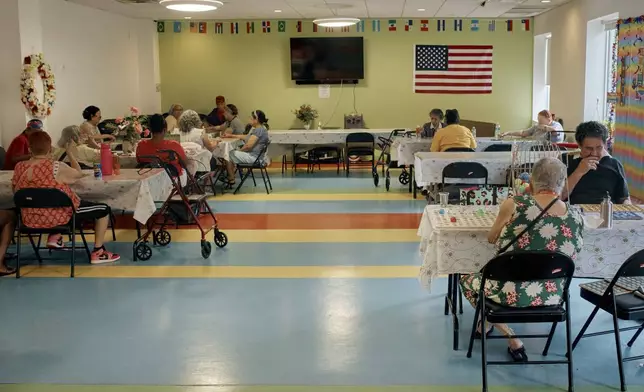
(262, 254)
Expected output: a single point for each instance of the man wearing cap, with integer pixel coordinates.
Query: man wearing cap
(18, 150)
(216, 117)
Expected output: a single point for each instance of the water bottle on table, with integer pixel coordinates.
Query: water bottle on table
(474, 132)
(497, 131)
(98, 173)
(606, 213)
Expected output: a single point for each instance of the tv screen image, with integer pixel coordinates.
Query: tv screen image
(327, 59)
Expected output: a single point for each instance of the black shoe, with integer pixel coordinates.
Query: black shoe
(518, 355)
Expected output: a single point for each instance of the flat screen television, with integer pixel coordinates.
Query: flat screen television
(327, 60)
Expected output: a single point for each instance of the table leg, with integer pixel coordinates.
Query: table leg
(411, 178)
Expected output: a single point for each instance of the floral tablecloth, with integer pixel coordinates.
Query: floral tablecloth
(465, 250)
(406, 147)
(128, 191)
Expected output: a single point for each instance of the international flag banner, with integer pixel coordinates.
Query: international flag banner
(409, 24)
(392, 25)
(525, 24)
(346, 29)
(453, 69)
(360, 27)
(298, 26)
(177, 27)
(281, 26)
(509, 24)
(266, 26)
(193, 27)
(160, 27)
(219, 28)
(203, 28)
(491, 26)
(375, 25)
(234, 28)
(458, 25)
(315, 28)
(440, 25)
(424, 25)
(328, 29)
(474, 25)
(250, 27)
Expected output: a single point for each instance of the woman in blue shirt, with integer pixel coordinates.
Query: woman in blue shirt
(254, 143)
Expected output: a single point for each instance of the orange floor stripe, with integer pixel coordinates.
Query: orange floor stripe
(301, 221)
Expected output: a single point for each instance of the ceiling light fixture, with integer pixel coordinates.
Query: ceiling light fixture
(191, 5)
(421, 9)
(336, 22)
(278, 10)
(545, 1)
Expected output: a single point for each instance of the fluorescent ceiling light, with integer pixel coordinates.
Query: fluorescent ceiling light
(421, 9)
(545, 1)
(191, 5)
(278, 10)
(336, 22)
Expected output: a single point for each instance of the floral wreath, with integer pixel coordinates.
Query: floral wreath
(35, 64)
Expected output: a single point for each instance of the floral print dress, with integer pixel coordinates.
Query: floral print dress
(555, 233)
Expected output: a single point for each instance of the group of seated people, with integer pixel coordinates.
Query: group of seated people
(38, 163)
(448, 135)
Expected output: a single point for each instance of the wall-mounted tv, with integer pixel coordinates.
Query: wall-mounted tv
(327, 60)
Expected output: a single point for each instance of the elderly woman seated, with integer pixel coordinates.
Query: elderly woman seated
(191, 131)
(70, 140)
(560, 229)
(41, 171)
(172, 119)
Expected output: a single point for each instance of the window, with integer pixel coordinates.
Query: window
(610, 76)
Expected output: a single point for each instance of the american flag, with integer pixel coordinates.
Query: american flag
(453, 69)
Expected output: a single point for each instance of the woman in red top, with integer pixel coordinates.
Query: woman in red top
(41, 171)
(158, 142)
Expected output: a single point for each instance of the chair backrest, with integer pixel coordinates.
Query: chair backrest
(3, 154)
(522, 266)
(633, 266)
(42, 198)
(360, 137)
(466, 170)
(498, 147)
(460, 149)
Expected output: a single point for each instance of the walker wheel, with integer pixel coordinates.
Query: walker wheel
(387, 183)
(162, 237)
(206, 248)
(143, 252)
(376, 178)
(404, 178)
(221, 239)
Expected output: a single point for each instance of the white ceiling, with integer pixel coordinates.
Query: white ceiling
(308, 9)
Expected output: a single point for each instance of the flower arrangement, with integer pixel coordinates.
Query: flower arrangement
(33, 65)
(131, 126)
(306, 114)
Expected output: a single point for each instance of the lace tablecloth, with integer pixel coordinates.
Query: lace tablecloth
(324, 136)
(464, 249)
(128, 191)
(429, 165)
(224, 148)
(406, 147)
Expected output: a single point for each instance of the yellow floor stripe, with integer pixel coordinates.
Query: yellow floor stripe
(224, 272)
(354, 235)
(312, 197)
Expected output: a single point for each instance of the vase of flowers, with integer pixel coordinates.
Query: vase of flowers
(306, 114)
(131, 127)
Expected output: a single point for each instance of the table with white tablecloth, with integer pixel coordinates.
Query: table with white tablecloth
(429, 165)
(128, 191)
(464, 248)
(198, 160)
(405, 147)
(225, 146)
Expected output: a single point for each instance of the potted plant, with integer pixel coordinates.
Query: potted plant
(131, 127)
(306, 114)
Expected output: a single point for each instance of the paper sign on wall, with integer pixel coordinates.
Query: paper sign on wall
(324, 91)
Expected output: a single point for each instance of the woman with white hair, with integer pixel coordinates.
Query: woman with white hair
(70, 141)
(191, 131)
(173, 116)
(560, 229)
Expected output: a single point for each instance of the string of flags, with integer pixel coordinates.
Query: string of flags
(283, 26)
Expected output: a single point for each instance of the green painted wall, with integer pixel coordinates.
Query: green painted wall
(253, 72)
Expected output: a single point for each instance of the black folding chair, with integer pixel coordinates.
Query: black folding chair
(326, 154)
(46, 198)
(360, 144)
(260, 164)
(523, 266)
(499, 147)
(621, 306)
(466, 171)
(460, 149)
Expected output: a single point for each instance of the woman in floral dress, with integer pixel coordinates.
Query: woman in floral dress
(560, 229)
